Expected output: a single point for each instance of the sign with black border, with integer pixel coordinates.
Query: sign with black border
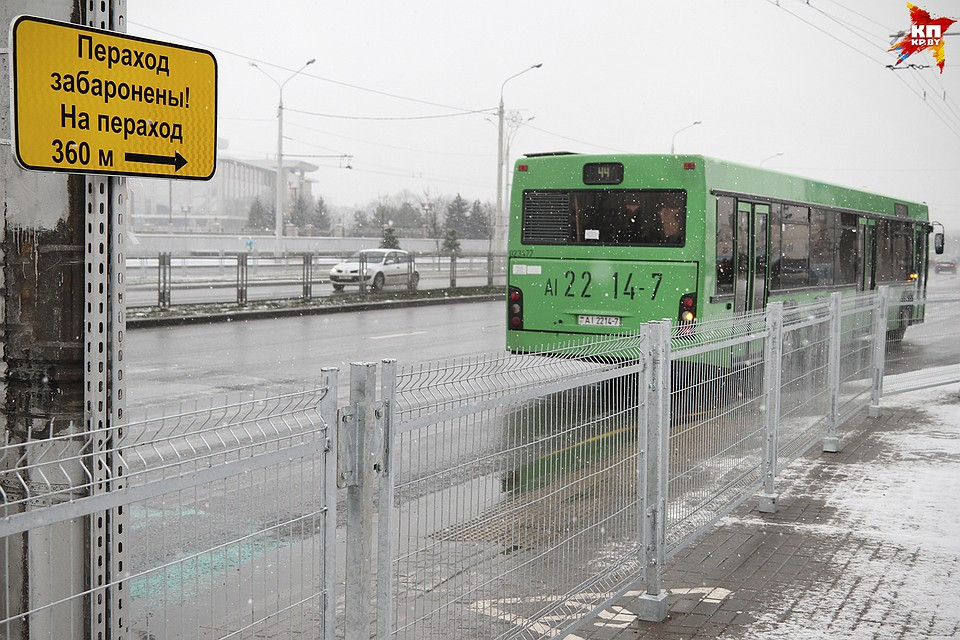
(101, 102)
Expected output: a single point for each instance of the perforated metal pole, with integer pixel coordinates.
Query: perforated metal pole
(104, 397)
(831, 442)
(879, 349)
(652, 606)
(771, 386)
(361, 446)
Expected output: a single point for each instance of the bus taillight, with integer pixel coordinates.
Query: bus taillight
(687, 314)
(514, 308)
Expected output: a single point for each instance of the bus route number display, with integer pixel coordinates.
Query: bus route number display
(603, 173)
(99, 102)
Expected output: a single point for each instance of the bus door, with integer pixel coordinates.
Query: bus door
(866, 253)
(752, 243)
(920, 253)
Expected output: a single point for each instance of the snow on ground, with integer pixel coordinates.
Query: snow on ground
(895, 571)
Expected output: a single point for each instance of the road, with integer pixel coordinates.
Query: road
(174, 363)
(177, 363)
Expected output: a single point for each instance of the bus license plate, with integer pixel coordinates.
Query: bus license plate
(599, 321)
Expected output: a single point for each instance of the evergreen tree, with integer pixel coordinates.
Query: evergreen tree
(361, 224)
(478, 222)
(299, 212)
(321, 217)
(408, 218)
(260, 217)
(451, 245)
(457, 216)
(390, 239)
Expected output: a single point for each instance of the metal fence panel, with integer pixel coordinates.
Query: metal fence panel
(229, 511)
(516, 484)
(804, 392)
(857, 351)
(716, 423)
(912, 361)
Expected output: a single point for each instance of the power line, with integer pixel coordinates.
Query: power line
(589, 144)
(388, 146)
(348, 85)
(389, 118)
(865, 17)
(919, 94)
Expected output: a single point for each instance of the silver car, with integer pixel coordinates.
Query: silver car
(381, 267)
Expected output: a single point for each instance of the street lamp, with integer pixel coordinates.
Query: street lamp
(280, 195)
(674, 138)
(499, 228)
(776, 155)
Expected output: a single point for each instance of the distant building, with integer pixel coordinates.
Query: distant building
(219, 204)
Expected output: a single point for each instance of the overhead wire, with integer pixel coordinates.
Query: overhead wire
(954, 128)
(385, 146)
(920, 77)
(390, 118)
(305, 73)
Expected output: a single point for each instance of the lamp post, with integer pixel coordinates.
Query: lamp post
(515, 125)
(280, 195)
(674, 138)
(499, 228)
(776, 155)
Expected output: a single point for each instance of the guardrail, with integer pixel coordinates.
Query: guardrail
(214, 279)
(500, 495)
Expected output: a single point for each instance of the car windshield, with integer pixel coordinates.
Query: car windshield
(368, 256)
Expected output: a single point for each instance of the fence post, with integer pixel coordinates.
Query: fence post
(360, 460)
(411, 283)
(242, 278)
(831, 442)
(652, 605)
(879, 349)
(453, 271)
(163, 280)
(388, 395)
(773, 350)
(307, 276)
(328, 413)
(489, 269)
(362, 274)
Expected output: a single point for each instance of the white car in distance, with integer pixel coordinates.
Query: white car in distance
(381, 267)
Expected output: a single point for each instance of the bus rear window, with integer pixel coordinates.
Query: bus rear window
(605, 217)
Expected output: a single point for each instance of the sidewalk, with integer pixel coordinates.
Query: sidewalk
(866, 543)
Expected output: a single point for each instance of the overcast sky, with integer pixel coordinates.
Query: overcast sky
(397, 86)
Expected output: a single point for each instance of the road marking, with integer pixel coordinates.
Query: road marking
(396, 335)
(613, 616)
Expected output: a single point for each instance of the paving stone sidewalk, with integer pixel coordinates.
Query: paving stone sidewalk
(866, 543)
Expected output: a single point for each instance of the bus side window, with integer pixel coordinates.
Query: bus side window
(846, 269)
(776, 245)
(795, 251)
(725, 221)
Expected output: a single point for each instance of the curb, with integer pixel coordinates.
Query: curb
(287, 312)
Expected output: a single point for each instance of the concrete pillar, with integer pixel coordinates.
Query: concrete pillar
(42, 259)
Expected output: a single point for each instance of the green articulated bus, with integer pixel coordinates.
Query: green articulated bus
(600, 244)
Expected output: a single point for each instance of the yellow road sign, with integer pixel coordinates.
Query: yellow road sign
(90, 101)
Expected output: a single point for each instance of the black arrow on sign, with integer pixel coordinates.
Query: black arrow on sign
(176, 160)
